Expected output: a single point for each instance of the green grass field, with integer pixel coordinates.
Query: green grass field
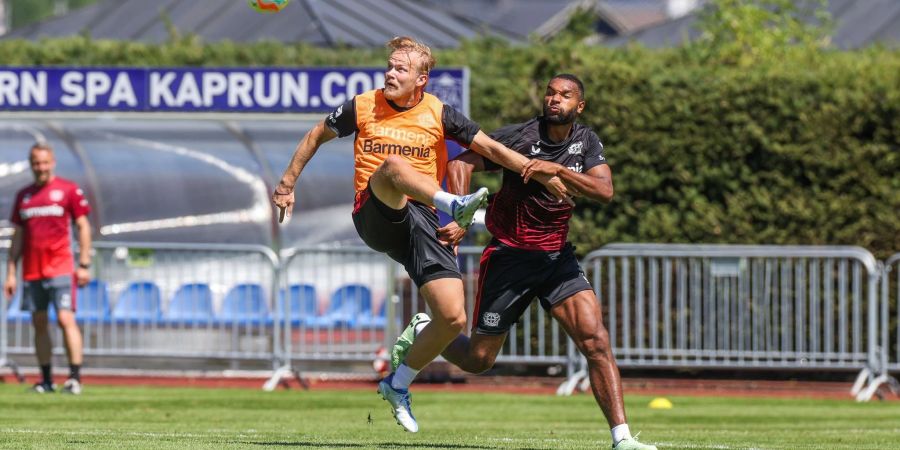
(153, 417)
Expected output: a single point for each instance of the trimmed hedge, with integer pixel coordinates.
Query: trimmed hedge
(803, 150)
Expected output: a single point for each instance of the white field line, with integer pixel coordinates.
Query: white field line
(150, 434)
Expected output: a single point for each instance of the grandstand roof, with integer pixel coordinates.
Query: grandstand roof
(857, 24)
(357, 23)
(543, 18)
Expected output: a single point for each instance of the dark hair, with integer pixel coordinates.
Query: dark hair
(574, 79)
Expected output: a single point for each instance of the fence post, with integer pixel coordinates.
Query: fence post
(283, 365)
(4, 357)
(879, 373)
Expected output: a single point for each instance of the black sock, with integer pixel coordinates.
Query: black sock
(48, 377)
(75, 372)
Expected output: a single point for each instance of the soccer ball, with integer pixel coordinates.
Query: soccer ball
(267, 6)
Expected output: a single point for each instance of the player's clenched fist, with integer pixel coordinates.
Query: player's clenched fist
(545, 172)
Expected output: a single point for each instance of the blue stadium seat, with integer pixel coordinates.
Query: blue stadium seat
(303, 302)
(378, 320)
(92, 304)
(347, 303)
(139, 302)
(245, 304)
(192, 303)
(14, 312)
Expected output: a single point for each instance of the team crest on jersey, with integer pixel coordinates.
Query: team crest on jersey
(26, 198)
(424, 120)
(491, 319)
(576, 148)
(56, 195)
(536, 148)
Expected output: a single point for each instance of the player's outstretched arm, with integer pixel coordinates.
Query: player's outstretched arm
(544, 173)
(283, 197)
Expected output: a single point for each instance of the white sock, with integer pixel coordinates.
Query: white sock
(403, 376)
(443, 201)
(421, 326)
(620, 432)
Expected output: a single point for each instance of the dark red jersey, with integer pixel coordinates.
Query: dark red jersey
(527, 216)
(45, 214)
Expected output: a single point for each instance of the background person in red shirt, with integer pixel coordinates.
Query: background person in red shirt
(41, 214)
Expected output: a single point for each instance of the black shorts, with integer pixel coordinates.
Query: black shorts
(510, 278)
(39, 294)
(408, 236)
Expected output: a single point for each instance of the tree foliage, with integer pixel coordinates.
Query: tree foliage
(27, 12)
(745, 32)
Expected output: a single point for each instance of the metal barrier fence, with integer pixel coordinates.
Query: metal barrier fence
(890, 312)
(723, 306)
(767, 307)
(164, 301)
(383, 300)
(5, 361)
(889, 339)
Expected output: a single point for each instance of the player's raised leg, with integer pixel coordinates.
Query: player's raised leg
(396, 179)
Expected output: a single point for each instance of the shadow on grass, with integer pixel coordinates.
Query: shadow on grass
(378, 445)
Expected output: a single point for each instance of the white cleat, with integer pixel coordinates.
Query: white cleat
(42, 388)
(400, 401)
(632, 444)
(464, 207)
(72, 386)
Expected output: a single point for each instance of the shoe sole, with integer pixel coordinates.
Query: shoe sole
(393, 412)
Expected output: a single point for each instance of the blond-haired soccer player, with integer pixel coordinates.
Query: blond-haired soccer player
(400, 159)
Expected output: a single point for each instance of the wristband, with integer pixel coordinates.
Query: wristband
(84, 266)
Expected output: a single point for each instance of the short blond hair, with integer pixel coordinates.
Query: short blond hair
(408, 44)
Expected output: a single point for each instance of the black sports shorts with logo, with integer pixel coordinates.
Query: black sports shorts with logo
(408, 236)
(510, 278)
(40, 294)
